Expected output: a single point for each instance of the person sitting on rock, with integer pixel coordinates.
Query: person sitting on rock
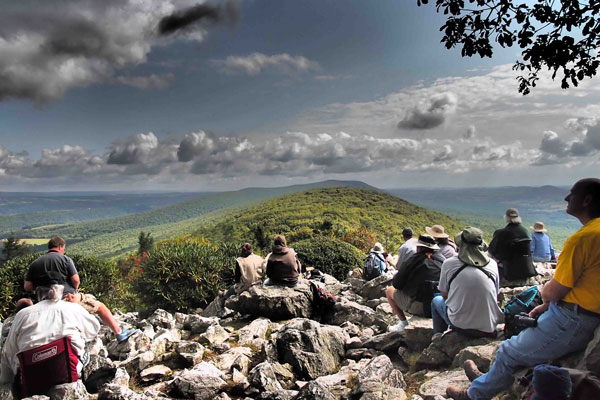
(510, 246)
(541, 245)
(248, 269)
(411, 287)
(408, 248)
(21, 304)
(570, 312)
(48, 320)
(283, 266)
(375, 263)
(469, 284)
(447, 247)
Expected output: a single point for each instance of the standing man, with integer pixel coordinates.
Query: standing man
(570, 312)
(55, 266)
(408, 248)
(511, 247)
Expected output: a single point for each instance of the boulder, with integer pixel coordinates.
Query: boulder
(118, 392)
(162, 319)
(257, 329)
(355, 283)
(68, 391)
(438, 384)
(237, 357)
(310, 348)
(377, 390)
(189, 353)
(279, 395)
(389, 341)
(199, 324)
(359, 354)
(136, 364)
(202, 382)
(273, 302)
(375, 288)
(379, 368)
(155, 373)
(121, 351)
(481, 355)
(418, 333)
(214, 335)
(444, 347)
(263, 378)
(314, 391)
(590, 359)
(351, 311)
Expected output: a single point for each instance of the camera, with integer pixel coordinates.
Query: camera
(514, 324)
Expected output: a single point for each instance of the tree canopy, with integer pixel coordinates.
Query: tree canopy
(559, 35)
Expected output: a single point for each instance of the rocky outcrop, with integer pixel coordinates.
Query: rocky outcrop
(273, 302)
(444, 347)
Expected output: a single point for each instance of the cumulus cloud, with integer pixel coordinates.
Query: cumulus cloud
(152, 81)
(189, 17)
(256, 63)
(50, 47)
(143, 148)
(430, 113)
(555, 150)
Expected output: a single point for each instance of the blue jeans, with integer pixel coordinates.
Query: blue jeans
(559, 331)
(439, 314)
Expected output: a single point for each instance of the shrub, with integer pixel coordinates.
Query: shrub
(12, 276)
(182, 274)
(362, 238)
(329, 255)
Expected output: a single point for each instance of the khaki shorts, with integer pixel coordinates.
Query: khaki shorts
(405, 303)
(88, 301)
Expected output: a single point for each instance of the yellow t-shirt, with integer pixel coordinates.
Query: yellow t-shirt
(579, 267)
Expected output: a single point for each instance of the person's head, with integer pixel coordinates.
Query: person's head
(57, 243)
(377, 248)
(538, 227)
(246, 249)
(279, 240)
(583, 201)
(407, 233)
(438, 233)
(512, 216)
(472, 247)
(53, 292)
(23, 303)
(426, 244)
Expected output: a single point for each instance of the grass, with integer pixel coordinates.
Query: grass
(34, 241)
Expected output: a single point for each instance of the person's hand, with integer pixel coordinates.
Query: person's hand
(539, 310)
(69, 297)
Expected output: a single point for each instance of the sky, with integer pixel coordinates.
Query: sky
(192, 95)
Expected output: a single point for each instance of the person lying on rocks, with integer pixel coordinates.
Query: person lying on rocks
(21, 304)
(570, 312)
(48, 320)
(411, 289)
(55, 265)
(283, 266)
(469, 285)
(248, 270)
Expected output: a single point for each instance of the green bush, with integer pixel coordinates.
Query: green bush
(183, 274)
(329, 255)
(98, 277)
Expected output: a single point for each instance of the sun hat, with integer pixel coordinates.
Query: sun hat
(538, 227)
(377, 248)
(427, 241)
(551, 383)
(512, 213)
(437, 231)
(472, 247)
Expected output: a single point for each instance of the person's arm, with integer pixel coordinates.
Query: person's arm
(75, 281)
(28, 286)
(552, 292)
(444, 295)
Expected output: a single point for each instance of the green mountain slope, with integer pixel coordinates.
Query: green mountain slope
(328, 210)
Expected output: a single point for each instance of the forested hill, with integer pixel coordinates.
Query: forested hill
(172, 213)
(330, 211)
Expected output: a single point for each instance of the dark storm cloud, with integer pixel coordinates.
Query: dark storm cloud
(431, 113)
(182, 19)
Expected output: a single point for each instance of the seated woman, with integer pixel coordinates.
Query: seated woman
(283, 267)
(248, 269)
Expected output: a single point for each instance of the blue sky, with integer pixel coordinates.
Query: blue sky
(285, 92)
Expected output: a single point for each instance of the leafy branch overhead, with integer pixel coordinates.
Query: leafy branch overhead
(560, 35)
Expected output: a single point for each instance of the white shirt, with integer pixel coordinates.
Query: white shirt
(406, 250)
(41, 324)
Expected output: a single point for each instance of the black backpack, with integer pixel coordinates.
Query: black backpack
(371, 269)
(323, 302)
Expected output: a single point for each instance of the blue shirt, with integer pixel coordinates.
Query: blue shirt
(541, 247)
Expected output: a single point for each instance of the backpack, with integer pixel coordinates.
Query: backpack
(323, 302)
(371, 267)
(516, 311)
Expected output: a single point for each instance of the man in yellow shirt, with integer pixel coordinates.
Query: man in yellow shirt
(570, 312)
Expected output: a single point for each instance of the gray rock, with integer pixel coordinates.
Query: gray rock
(6, 392)
(379, 368)
(354, 343)
(590, 359)
(280, 395)
(481, 355)
(396, 379)
(351, 311)
(314, 391)
(273, 302)
(239, 381)
(202, 382)
(355, 283)
(162, 319)
(214, 335)
(385, 342)
(189, 353)
(121, 351)
(376, 390)
(359, 354)
(257, 329)
(137, 363)
(68, 391)
(416, 397)
(438, 384)
(263, 378)
(351, 328)
(418, 333)
(154, 373)
(118, 392)
(444, 347)
(375, 288)
(237, 357)
(121, 377)
(199, 324)
(215, 308)
(180, 320)
(310, 348)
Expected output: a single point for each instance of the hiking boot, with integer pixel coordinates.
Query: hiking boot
(399, 327)
(456, 393)
(124, 334)
(471, 370)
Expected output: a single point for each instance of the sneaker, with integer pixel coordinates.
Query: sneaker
(124, 334)
(471, 370)
(456, 393)
(399, 327)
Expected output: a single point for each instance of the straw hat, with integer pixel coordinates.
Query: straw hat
(378, 248)
(471, 247)
(427, 241)
(437, 231)
(538, 227)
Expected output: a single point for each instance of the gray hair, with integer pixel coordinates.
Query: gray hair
(53, 292)
(512, 220)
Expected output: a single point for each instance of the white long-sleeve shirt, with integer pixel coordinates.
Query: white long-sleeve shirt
(41, 324)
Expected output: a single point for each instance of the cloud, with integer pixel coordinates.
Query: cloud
(143, 148)
(152, 81)
(187, 18)
(431, 113)
(256, 63)
(50, 47)
(470, 133)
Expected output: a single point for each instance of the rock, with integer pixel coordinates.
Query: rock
(438, 384)
(163, 341)
(532, 281)
(162, 319)
(284, 374)
(385, 342)
(351, 311)
(239, 381)
(130, 347)
(350, 328)
(314, 391)
(237, 357)
(214, 335)
(310, 348)
(375, 288)
(396, 379)
(215, 308)
(98, 358)
(68, 391)
(359, 354)
(257, 329)
(354, 343)
(202, 382)
(180, 320)
(376, 390)
(199, 324)
(189, 353)
(355, 283)
(416, 397)
(263, 378)
(136, 364)
(507, 293)
(481, 355)
(273, 302)
(155, 373)
(6, 392)
(384, 316)
(378, 368)
(444, 347)
(118, 392)
(121, 377)
(418, 333)
(590, 359)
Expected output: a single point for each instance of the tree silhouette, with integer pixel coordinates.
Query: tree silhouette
(12, 247)
(145, 242)
(559, 35)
